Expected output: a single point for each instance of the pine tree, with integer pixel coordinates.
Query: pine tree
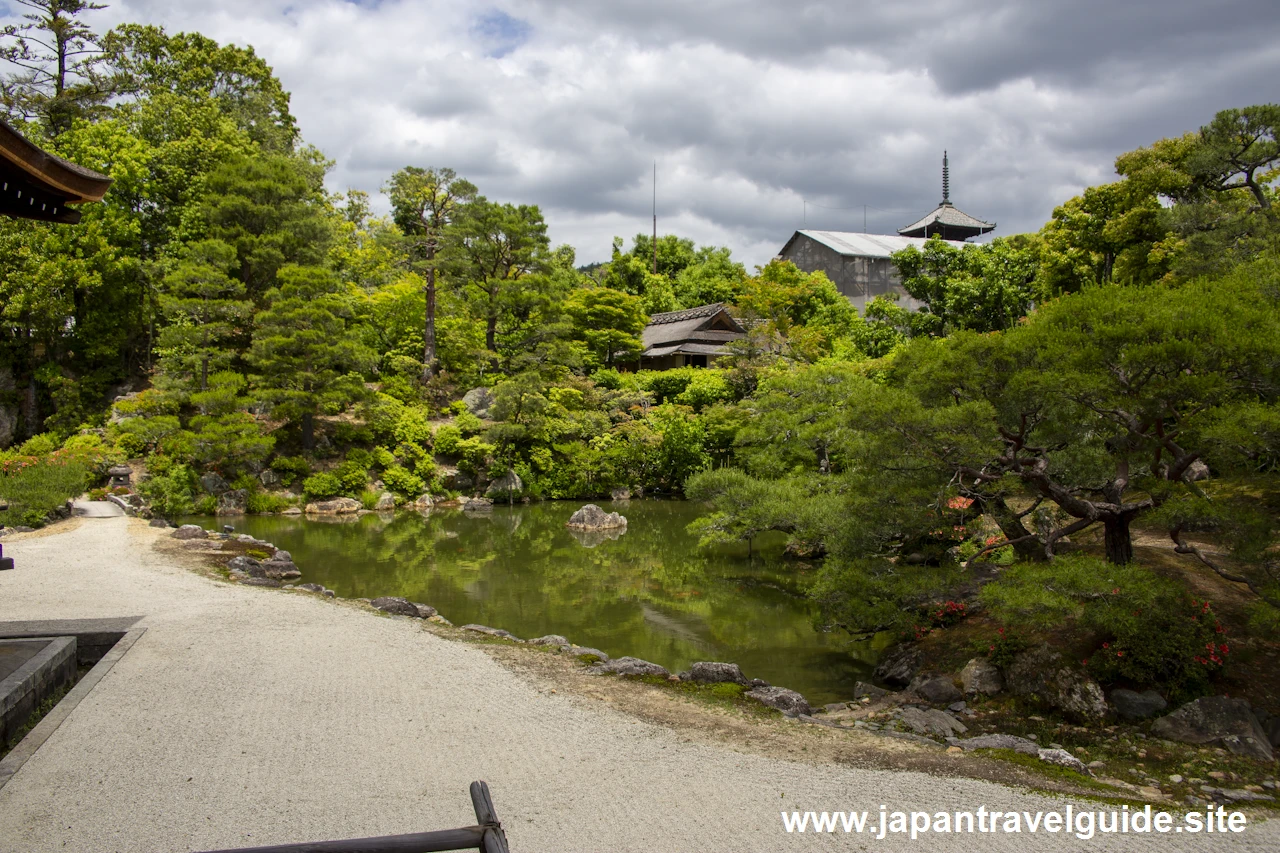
(204, 306)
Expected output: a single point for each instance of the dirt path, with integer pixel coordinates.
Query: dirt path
(246, 716)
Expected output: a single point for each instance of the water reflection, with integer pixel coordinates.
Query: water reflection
(645, 590)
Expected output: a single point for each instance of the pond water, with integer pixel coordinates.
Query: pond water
(650, 592)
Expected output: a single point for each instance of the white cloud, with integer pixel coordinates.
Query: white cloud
(748, 107)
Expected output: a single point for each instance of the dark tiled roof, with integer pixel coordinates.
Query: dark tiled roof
(687, 314)
(948, 214)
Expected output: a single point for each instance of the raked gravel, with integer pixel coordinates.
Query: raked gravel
(245, 717)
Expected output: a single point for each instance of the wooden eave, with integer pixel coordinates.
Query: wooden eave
(35, 184)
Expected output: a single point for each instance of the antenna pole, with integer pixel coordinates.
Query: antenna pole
(864, 219)
(655, 217)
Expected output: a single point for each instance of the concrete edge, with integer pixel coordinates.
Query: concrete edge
(35, 738)
(57, 650)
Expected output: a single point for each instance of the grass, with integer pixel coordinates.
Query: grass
(36, 716)
(34, 488)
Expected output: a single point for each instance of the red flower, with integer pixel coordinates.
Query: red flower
(1115, 591)
(1119, 654)
(1106, 645)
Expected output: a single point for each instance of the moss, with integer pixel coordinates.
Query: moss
(589, 659)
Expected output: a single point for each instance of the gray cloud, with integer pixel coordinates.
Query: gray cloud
(749, 108)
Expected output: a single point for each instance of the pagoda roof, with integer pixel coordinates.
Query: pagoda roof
(35, 184)
(949, 221)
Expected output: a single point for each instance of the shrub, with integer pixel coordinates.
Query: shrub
(206, 505)
(609, 379)
(35, 487)
(290, 468)
(468, 424)
(381, 458)
(322, 486)
(403, 482)
(473, 456)
(666, 385)
(447, 439)
(368, 498)
(705, 388)
(413, 425)
(352, 477)
(267, 502)
(171, 487)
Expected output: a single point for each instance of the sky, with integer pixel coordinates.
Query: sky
(762, 117)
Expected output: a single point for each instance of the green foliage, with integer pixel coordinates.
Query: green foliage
(403, 482)
(982, 288)
(322, 486)
(171, 488)
(609, 323)
(352, 476)
(447, 439)
(290, 468)
(468, 424)
(413, 425)
(259, 501)
(35, 486)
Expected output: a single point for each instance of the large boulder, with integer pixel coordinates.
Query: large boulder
(386, 502)
(245, 565)
(269, 478)
(337, 506)
(478, 401)
(932, 722)
(710, 672)
(214, 483)
(862, 688)
(492, 632)
(549, 640)
(630, 666)
(592, 517)
(787, 701)
(475, 504)
(279, 569)
(1041, 672)
(935, 689)
(396, 606)
(899, 666)
(190, 531)
(507, 487)
(1218, 721)
(233, 502)
(981, 676)
(423, 502)
(1131, 705)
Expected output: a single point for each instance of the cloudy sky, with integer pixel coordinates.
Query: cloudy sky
(760, 115)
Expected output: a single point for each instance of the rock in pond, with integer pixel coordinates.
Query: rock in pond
(584, 651)
(899, 666)
(630, 666)
(423, 502)
(245, 564)
(232, 502)
(549, 640)
(337, 506)
(190, 531)
(1217, 721)
(475, 504)
(620, 495)
(293, 510)
(787, 701)
(395, 606)
(711, 672)
(981, 676)
(275, 584)
(507, 487)
(592, 517)
(386, 502)
(1131, 705)
(862, 688)
(158, 522)
(315, 587)
(492, 632)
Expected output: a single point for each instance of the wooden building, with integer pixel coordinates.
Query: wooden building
(860, 265)
(35, 184)
(694, 337)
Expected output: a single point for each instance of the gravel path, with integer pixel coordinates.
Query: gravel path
(246, 716)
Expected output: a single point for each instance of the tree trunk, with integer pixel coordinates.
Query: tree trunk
(1029, 550)
(429, 330)
(1119, 543)
(308, 431)
(491, 334)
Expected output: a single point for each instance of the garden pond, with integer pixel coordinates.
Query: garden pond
(649, 591)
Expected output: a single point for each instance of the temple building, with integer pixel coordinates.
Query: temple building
(35, 184)
(860, 265)
(694, 337)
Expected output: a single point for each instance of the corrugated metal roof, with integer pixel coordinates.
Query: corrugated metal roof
(861, 245)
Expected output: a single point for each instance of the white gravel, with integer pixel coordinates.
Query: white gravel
(246, 717)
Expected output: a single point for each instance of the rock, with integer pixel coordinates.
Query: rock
(1196, 472)
(1233, 795)
(787, 701)
(583, 651)
(1040, 672)
(280, 570)
(1217, 721)
(158, 522)
(592, 517)
(395, 606)
(935, 689)
(1062, 758)
(457, 481)
(386, 502)
(248, 565)
(1176, 779)
(423, 502)
(710, 672)
(861, 689)
(981, 676)
(620, 495)
(630, 666)
(549, 640)
(507, 487)
(476, 504)
(478, 401)
(293, 510)
(337, 506)
(214, 483)
(261, 582)
(281, 556)
(998, 741)
(425, 611)
(1131, 705)
(190, 531)
(899, 665)
(492, 632)
(310, 587)
(233, 502)
(1272, 730)
(269, 478)
(835, 707)
(932, 722)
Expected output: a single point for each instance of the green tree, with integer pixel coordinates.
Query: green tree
(307, 356)
(59, 77)
(983, 288)
(202, 305)
(424, 204)
(609, 322)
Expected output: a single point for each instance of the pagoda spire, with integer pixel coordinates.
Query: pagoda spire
(946, 179)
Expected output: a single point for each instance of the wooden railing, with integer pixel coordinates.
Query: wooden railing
(487, 836)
